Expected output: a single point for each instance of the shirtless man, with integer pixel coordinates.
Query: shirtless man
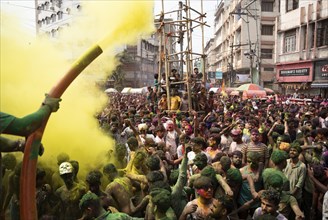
(203, 206)
(69, 194)
(119, 188)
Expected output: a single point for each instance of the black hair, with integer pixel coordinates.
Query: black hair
(203, 182)
(93, 177)
(200, 161)
(174, 175)
(153, 163)
(237, 153)
(272, 196)
(109, 168)
(154, 176)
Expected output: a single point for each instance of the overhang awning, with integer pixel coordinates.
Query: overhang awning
(319, 85)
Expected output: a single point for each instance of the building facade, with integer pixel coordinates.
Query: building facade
(213, 77)
(140, 71)
(44, 17)
(302, 47)
(244, 41)
(53, 15)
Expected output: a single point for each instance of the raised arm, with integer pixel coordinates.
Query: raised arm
(182, 179)
(26, 125)
(135, 131)
(224, 185)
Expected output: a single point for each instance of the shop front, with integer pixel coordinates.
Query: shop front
(320, 82)
(295, 77)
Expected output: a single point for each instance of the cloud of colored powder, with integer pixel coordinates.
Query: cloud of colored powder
(31, 66)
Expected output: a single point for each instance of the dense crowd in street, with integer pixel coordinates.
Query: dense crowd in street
(227, 158)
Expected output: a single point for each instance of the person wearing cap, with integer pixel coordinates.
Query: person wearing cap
(143, 132)
(69, 194)
(56, 180)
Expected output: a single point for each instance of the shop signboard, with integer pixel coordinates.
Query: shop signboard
(218, 75)
(295, 72)
(321, 70)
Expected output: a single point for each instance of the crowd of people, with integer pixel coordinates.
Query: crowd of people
(226, 159)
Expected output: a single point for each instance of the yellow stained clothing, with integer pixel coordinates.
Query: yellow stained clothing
(175, 102)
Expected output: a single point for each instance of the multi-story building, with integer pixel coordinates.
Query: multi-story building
(145, 57)
(244, 41)
(53, 15)
(210, 60)
(45, 16)
(302, 47)
(140, 70)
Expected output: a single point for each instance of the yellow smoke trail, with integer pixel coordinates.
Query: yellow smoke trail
(30, 67)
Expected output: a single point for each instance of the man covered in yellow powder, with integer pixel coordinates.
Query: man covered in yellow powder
(175, 100)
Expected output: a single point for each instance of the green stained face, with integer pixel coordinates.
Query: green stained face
(252, 163)
(279, 140)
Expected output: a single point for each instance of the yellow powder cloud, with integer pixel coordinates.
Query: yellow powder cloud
(31, 66)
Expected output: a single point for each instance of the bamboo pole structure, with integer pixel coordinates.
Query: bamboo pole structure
(160, 32)
(185, 57)
(203, 54)
(188, 60)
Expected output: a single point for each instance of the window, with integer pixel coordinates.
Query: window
(291, 5)
(266, 53)
(290, 41)
(311, 35)
(237, 37)
(48, 19)
(53, 17)
(267, 6)
(267, 30)
(322, 33)
(40, 23)
(60, 15)
(303, 36)
(238, 15)
(268, 69)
